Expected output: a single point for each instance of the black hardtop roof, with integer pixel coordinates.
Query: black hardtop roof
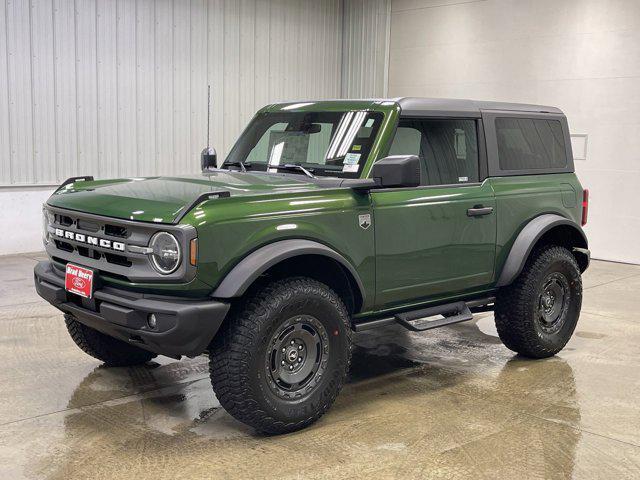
(419, 106)
(452, 106)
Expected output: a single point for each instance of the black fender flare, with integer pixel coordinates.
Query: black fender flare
(526, 240)
(238, 280)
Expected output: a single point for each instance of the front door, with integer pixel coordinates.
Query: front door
(438, 238)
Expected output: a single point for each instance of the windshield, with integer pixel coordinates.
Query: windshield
(325, 143)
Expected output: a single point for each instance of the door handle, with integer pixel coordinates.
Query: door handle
(479, 210)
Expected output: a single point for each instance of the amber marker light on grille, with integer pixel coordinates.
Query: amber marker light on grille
(193, 251)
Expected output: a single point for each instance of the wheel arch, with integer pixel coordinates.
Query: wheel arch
(292, 258)
(547, 229)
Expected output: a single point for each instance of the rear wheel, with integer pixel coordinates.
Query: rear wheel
(537, 314)
(280, 361)
(113, 352)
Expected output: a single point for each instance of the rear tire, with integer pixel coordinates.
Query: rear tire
(279, 362)
(536, 315)
(111, 351)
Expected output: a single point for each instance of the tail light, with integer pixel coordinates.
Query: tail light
(585, 206)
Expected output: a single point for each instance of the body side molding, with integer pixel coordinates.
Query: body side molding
(236, 282)
(526, 240)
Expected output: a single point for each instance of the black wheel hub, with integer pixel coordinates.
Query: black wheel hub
(553, 302)
(297, 356)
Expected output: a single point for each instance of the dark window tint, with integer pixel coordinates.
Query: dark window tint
(528, 144)
(448, 149)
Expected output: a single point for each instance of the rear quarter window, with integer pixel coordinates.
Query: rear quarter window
(530, 144)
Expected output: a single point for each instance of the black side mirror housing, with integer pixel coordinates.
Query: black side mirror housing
(208, 159)
(397, 171)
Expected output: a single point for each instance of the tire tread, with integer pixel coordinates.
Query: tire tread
(111, 351)
(229, 368)
(512, 316)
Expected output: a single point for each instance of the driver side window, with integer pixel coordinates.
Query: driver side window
(448, 149)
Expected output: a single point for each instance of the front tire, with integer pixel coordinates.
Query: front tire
(280, 361)
(111, 351)
(537, 314)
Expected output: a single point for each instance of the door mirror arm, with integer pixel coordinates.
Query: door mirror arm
(397, 171)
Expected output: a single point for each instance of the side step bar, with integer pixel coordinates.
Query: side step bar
(419, 321)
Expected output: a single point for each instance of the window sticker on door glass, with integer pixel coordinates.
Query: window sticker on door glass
(351, 159)
(350, 168)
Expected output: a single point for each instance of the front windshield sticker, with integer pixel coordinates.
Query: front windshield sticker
(351, 159)
(369, 123)
(350, 168)
(287, 147)
(274, 158)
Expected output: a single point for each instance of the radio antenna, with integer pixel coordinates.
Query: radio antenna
(208, 113)
(208, 157)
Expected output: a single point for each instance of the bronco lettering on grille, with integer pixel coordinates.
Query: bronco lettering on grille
(89, 240)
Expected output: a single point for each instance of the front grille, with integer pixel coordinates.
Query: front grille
(88, 252)
(64, 220)
(115, 231)
(115, 258)
(88, 226)
(77, 223)
(67, 247)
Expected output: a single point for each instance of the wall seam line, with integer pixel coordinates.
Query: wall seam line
(6, 33)
(55, 94)
(31, 171)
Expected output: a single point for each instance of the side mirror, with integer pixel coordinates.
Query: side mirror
(397, 171)
(208, 159)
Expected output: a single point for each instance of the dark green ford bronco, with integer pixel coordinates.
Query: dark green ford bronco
(326, 218)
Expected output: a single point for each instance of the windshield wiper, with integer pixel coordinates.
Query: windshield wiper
(237, 163)
(290, 166)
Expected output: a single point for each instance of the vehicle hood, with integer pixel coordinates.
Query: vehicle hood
(163, 199)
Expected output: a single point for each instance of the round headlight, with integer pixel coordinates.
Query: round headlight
(166, 252)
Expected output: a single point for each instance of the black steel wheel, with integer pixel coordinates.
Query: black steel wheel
(537, 314)
(297, 356)
(282, 357)
(553, 302)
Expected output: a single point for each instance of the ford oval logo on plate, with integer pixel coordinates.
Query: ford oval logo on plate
(78, 280)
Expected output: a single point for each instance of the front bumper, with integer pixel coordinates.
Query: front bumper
(184, 327)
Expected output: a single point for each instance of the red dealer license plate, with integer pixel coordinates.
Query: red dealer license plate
(79, 280)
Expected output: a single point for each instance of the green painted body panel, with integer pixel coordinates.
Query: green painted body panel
(426, 245)
(162, 199)
(421, 248)
(521, 198)
(230, 228)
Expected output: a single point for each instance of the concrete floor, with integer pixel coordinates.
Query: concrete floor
(452, 403)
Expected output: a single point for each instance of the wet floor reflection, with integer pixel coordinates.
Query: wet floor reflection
(449, 403)
(414, 401)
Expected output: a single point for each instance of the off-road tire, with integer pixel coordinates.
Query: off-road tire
(239, 355)
(518, 306)
(111, 351)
